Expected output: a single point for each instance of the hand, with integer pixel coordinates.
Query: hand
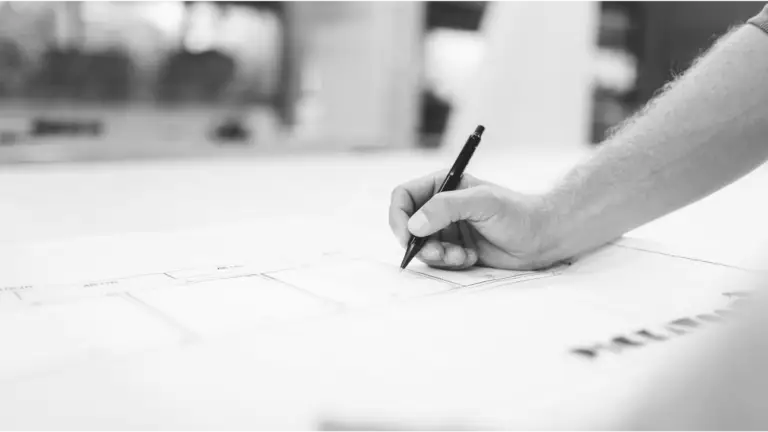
(479, 223)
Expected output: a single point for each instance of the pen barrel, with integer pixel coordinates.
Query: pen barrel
(450, 183)
(453, 178)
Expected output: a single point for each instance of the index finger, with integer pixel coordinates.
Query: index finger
(410, 196)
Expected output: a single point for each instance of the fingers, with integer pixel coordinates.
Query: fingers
(410, 196)
(401, 207)
(432, 252)
(447, 255)
(473, 204)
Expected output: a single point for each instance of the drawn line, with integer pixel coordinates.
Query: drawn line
(17, 295)
(512, 279)
(498, 284)
(435, 278)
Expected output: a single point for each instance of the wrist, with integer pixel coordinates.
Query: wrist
(558, 241)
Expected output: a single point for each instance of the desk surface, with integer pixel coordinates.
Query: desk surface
(56, 201)
(49, 201)
(444, 361)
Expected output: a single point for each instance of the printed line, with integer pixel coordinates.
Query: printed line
(122, 278)
(333, 302)
(215, 279)
(303, 265)
(413, 272)
(188, 336)
(681, 257)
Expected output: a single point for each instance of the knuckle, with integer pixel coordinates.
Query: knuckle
(485, 194)
(448, 208)
(490, 199)
(438, 204)
(436, 178)
(484, 191)
(439, 174)
(470, 180)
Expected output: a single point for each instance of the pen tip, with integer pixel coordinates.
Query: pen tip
(405, 262)
(479, 130)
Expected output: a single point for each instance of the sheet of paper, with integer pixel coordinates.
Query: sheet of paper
(169, 289)
(228, 301)
(212, 308)
(458, 355)
(39, 339)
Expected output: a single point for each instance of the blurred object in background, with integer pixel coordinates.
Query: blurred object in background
(639, 46)
(453, 49)
(360, 68)
(179, 79)
(616, 65)
(533, 89)
(676, 33)
(11, 68)
(643, 45)
(171, 78)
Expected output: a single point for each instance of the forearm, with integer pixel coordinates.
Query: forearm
(706, 130)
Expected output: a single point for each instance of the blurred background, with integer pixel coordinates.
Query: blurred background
(125, 80)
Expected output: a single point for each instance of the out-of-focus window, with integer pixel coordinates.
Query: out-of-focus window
(157, 51)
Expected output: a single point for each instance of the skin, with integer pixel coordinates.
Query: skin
(481, 223)
(706, 129)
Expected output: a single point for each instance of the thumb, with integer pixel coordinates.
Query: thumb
(445, 208)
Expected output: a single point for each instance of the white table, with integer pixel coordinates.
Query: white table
(445, 361)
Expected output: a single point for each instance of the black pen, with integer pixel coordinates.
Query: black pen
(450, 183)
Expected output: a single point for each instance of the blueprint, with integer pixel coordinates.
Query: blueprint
(62, 317)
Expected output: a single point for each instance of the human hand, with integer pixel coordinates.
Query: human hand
(478, 223)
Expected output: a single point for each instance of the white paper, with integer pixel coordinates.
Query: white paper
(210, 308)
(41, 339)
(197, 329)
(159, 291)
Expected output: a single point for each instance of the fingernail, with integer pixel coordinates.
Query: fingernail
(452, 256)
(418, 223)
(430, 252)
(471, 256)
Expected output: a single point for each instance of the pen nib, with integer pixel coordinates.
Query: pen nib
(404, 263)
(407, 259)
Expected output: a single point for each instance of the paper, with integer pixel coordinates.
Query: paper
(141, 292)
(282, 335)
(57, 336)
(239, 304)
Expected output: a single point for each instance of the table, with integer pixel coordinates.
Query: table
(443, 361)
